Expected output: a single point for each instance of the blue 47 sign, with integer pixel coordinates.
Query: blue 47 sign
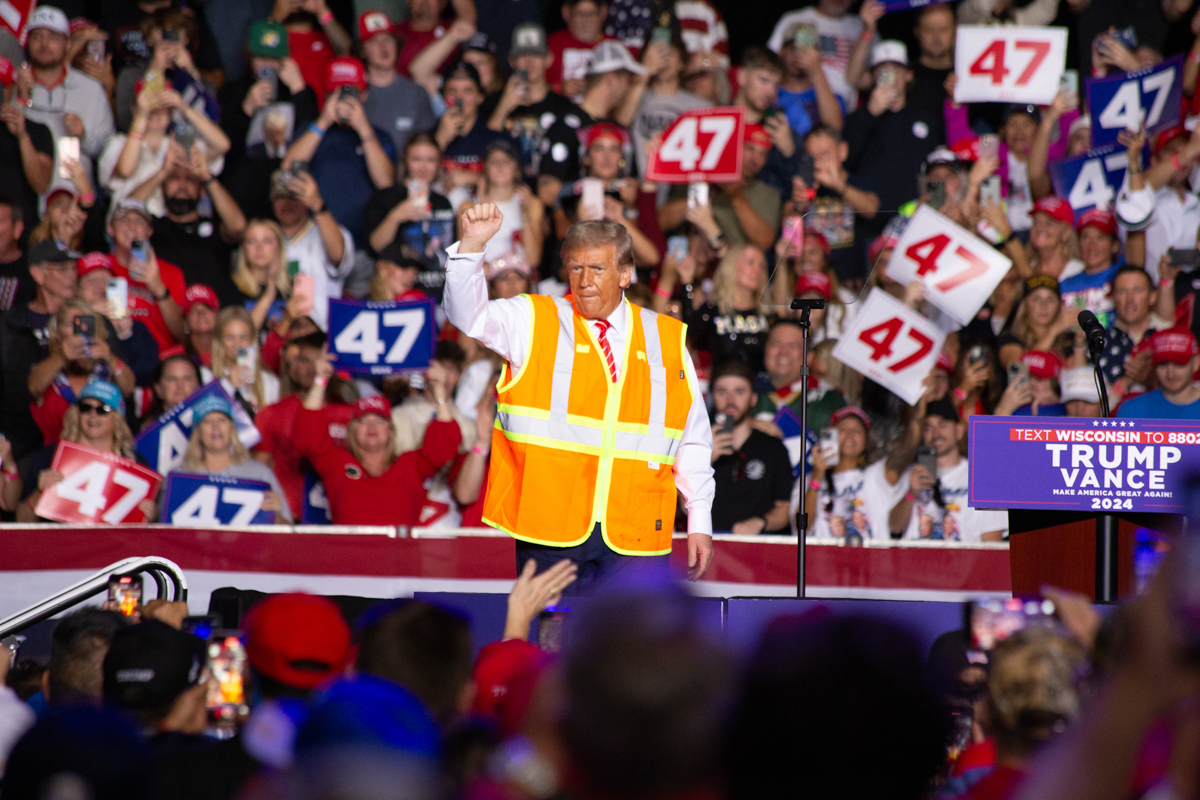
(1091, 180)
(209, 500)
(382, 338)
(1151, 96)
(164, 443)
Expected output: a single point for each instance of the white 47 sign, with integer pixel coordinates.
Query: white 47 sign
(995, 63)
(959, 270)
(892, 345)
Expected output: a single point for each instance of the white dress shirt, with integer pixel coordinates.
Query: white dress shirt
(506, 326)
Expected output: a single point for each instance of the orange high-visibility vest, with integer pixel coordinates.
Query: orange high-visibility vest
(571, 448)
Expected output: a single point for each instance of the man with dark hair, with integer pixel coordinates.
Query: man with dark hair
(752, 471)
(77, 650)
(427, 650)
(758, 93)
(819, 693)
(664, 98)
(16, 286)
(155, 674)
(647, 693)
(571, 48)
(804, 92)
(782, 357)
(935, 506)
(1126, 366)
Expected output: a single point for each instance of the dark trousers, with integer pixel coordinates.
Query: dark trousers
(597, 561)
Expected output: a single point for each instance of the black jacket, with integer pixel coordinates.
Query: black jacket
(19, 351)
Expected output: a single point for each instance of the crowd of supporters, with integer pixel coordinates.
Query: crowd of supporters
(234, 172)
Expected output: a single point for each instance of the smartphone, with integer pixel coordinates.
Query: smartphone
(886, 76)
(591, 200)
(551, 625)
(12, 645)
(125, 592)
(185, 133)
(95, 50)
(302, 287)
(170, 36)
(937, 194)
(1186, 259)
(989, 145)
(977, 355)
(927, 458)
(697, 195)
(348, 92)
(992, 620)
(1018, 371)
(298, 167)
(805, 36)
(523, 75)
(793, 233)
(140, 250)
(1127, 36)
(660, 35)
(246, 356)
(458, 104)
(677, 247)
(416, 382)
(418, 192)
(989, 190)
(829, 446)
(724, 422)
(68, 150)
(226, 664)
(117, 295)
(271, 76)
(85, 327)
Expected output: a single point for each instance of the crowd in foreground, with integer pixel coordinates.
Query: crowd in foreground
(644, 700)
(186, 189)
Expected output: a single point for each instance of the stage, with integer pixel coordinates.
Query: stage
(38, 560)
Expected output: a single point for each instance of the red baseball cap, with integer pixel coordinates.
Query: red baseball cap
(1166, 136)
(372, 23)
(498, 664)
(1176, 345)
(757, 134)
(1103, 220)
(345, 71)
(1056, 209)
(818, 237)
(966, 149)
(814, 281)
(90, 262)
(602, 130)
(375, 404)
(199, 293)
(298, 639)
(850, 411)
(1042, 364)
(944, 361)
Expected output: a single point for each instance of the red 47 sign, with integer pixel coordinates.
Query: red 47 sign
(995, 63)
(97, 487)
(959, 270)
(703, 145)
(892, 345)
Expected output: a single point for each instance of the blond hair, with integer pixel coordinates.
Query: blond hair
(193, 459)
(244, 279)
(222, 361)
(122, 435)
(71, 307)
(393, 450)
(1022, 326)
(725, 279)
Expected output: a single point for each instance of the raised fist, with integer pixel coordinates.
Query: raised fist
(479, 224)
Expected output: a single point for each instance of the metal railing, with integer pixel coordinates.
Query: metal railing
(166, 575)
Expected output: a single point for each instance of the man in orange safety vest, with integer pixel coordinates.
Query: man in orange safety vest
(599, 419)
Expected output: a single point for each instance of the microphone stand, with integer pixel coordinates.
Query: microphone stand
(1107, 537)
(1095, 348)
(805, 307)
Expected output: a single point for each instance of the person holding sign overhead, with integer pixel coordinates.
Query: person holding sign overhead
(97, 420)
(636, 430)
(214, 449)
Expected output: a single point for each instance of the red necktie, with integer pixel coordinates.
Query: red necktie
(601, 336)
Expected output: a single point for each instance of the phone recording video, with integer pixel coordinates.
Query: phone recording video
(551, 623)
(991, 620)
(85, 326)
(125, 593)
(226, 665)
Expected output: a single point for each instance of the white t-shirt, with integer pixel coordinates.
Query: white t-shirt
(1020, 196)
(837, 39)
(957, 521)
(309, 251)
(862, 501)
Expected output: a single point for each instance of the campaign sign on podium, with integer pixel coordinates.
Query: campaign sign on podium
(165, 442)
(1081, 463)
(204, 501)
(97, 487)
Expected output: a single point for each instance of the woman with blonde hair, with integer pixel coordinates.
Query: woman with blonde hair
(97, 421)
(260, 271)
(237, 363)
(63, 221)
(734, 323)
(1039, 320)
(214, 449)
(1053, 247)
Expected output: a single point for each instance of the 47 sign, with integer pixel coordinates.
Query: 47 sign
(995, 63)
(382, 338)
(1152, 96)
(701, 145)
(892, 345)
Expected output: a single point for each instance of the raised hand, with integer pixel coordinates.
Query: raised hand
(478, 225)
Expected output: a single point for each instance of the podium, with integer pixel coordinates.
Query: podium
(1081, 551)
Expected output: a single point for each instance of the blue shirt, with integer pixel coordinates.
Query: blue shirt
(1152, 405)
(340, 169)
(1093, 292)
(1055, 410)
(801, 109)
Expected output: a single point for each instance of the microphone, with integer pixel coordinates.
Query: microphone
(1094, 330)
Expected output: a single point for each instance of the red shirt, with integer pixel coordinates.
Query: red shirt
(312, 52)
(277, 424)
(570, 57)
(142, 305)
(1000, 784)
(415, 41)
(49, 413)
(356, 498)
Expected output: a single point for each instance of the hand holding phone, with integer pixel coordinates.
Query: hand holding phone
(591, 200)
(125, 593)
(226, 666)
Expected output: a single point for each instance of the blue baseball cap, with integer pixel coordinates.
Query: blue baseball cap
(206, 405)
(369, 711)
(106, 393)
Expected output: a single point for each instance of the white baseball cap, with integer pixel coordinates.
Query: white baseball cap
(1078, 383)
(610, 56)
(50, 17)
(889, 51)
